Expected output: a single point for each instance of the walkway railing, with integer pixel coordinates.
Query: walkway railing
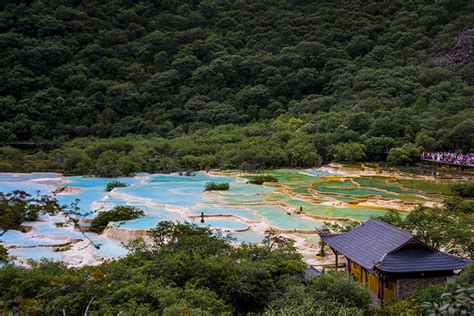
(449, 158)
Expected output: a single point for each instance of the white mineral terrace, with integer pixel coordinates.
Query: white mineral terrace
(245, 210)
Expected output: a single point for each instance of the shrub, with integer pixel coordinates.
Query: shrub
(115, 184)
(457, 302)
(405, 307)
(466, 278)
(339, 288)
(349, 152)
(327, 294)
(3, 254)
(263, 178)
(215, 186)
(118, 213)
(465, 189)
(406, 154)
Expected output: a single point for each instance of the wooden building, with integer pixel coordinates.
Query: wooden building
(391, 261)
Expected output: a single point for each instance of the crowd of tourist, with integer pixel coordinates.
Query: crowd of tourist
(455, 158)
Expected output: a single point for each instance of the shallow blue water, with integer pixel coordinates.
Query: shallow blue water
(29, 187)
(248, 237)
(173, 189)
(247, 188)
(27, 176)
(17, 238)
(277, 217)
(225, 210)
(167, 193)
(91, 190)
(37, 253)
(156, 195)
(49, 228)
(150, 221)
(319, 173)
(109, 248)
(220, 223)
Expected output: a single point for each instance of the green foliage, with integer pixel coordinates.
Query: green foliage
(340, 288)
(248, 277)
(392, 217)
(118, 213)
(430, 294)
(443, 228)
(349, 152)
(106, 165)
(406, 154)
(335, 228)
(457, 302)
(214, 186)
(77, 161)
(211, 91)
(404, 307)
(450, 228)
(4, 257)
(261, 179)
(185, 268)
(464, 189)
(466, 279)
(115, 184)
(18, 206)
(327, 294)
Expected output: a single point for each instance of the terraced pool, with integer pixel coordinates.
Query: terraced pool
(244, 211)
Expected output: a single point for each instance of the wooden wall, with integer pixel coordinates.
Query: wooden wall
(372, 281)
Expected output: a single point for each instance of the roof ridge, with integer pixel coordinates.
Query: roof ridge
(393, 226)
(380, 260)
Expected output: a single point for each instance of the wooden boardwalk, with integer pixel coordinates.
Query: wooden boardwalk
(457, 164)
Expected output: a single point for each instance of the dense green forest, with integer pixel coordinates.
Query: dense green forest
(220, 83)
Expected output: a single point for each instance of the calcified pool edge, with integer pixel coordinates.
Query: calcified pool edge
(331, 193)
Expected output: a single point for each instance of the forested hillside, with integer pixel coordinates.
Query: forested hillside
(329, 80)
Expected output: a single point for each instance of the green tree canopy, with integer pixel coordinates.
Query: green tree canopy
(18, 207)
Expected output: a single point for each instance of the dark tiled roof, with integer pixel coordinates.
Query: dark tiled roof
(369, 242)
(419, 260)
(375, 244)
(310, 273)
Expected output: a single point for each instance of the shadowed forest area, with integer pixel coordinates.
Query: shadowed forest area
(230, 84)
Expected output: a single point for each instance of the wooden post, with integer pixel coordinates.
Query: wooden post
(337, 259)
(381, 287)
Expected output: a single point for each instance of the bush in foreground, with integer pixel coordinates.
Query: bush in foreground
(215, 186)
(184, 269)
(327, 294)
(263, 178)
(465, 189)
(3, 254)
(115, 184)
(118, 213)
